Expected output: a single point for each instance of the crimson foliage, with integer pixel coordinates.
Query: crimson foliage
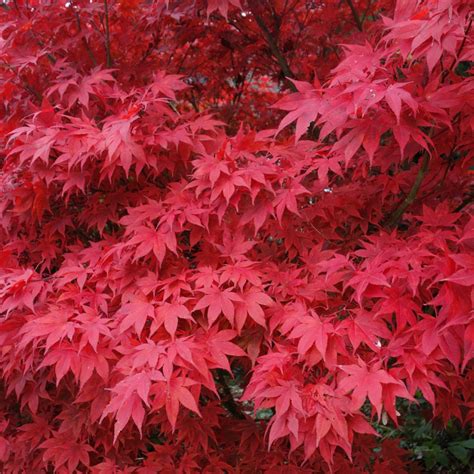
(233, 232)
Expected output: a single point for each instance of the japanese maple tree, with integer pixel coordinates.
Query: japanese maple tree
(236, 235)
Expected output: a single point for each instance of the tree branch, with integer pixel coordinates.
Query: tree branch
(466, 202)
(24, 83)
(84, 40)
(107, 35)
(355, 14)
(228, 399)
(398, 213)
(282, 62)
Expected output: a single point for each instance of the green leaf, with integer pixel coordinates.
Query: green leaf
(468, 443)
(459, 452)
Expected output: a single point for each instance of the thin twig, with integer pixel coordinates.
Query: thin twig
(24, 84)
(84, 40)
(16, 6)
(355, 15)
(193, 102)
(50, 57)
(466, 202)
(282, 62)
(398, 213)
(461, 47)
(150, 49)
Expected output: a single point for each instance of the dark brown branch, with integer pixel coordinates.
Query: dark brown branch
(84, 40)
(33, 91)
(398, 213)
(282, 62)
(469, 200)
(150, 49)
(356, 16)
(50, 57)
(108, 55)
(227, 397)
(193, 102)
(24, 83)
(16, 6)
